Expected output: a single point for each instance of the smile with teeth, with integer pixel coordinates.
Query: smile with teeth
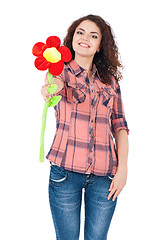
(84, 45)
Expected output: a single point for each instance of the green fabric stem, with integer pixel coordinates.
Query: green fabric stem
(52, 102)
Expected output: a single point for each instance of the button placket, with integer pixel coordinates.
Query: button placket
(94, 95)
(91, 132)
(93, 98)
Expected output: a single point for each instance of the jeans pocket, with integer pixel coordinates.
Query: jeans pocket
(109, 178)
(58, 175)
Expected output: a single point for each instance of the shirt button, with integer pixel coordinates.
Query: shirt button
(91, 150)
(92, 120)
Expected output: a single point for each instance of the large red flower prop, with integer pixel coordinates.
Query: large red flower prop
(51, 55)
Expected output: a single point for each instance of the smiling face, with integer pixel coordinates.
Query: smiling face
(86, 39)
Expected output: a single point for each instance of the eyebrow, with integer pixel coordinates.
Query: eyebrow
(84, 31)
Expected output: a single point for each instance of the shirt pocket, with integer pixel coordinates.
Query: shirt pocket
(107, 96)
(76, 92)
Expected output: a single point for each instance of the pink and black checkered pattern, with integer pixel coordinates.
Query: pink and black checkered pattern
(87, 118)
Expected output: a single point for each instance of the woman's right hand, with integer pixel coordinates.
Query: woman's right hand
(44, 90)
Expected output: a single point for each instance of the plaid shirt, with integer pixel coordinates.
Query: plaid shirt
(87, 117)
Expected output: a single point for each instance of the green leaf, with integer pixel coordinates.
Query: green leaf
(53, 101)
(52, 89)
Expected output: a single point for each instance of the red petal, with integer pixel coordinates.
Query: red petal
(41, 63)
(56, 68)
(38, 49)
(65, 53)
(53, 41)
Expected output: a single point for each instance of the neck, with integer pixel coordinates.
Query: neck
(85, 63)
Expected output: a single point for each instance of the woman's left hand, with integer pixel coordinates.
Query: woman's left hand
(118, 183)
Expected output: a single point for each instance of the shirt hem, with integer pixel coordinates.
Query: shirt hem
(107, 172)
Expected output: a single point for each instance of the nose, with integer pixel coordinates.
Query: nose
(85, 37)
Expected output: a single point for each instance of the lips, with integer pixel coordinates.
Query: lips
(85, 45)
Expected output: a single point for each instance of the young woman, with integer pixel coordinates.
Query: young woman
(83, 154)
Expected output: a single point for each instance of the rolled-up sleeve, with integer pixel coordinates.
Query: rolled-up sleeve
(118, 120)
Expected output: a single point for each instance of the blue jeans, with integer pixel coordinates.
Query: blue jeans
(65, 197)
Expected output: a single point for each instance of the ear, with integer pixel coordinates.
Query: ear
(98, 50)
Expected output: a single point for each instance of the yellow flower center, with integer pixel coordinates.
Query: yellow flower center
(52, 55)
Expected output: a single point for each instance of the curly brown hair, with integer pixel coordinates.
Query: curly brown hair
(107, 59)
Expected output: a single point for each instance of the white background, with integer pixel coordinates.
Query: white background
(24, 205)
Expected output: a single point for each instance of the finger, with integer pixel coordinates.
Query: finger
(116, 195)
(46, 99)
(111, 186)
(45, 94)
(111, 194)
(44, 91)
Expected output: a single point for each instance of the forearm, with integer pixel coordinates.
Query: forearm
(121, 140)
(119, 180)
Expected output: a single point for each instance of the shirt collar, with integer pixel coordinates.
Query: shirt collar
(76, 69)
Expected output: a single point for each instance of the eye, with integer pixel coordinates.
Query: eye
(79, 32)
(94, 36)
